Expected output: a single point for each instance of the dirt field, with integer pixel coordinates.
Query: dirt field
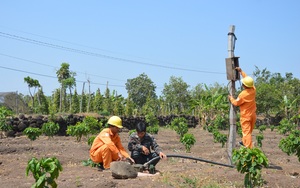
(174, 172)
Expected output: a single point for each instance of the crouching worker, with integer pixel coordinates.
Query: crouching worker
(141, 143)
(107, 146)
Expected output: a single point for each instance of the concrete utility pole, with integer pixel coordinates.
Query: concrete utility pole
(232, 113)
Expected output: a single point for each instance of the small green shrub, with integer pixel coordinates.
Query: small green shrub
(219, 137)
(50, 129)
(250, 161)
(262, 128)
(89, 162)
(210, 128)
(4, 113)
(41, 169)
(131, 131)
(91, 140)
(188, 140)
(259, 139)
(286, 126)
(180, 126)
(153, 129)
(32, 133)
(93, 124)
(220, 122)
(78, 130)
(291, 144)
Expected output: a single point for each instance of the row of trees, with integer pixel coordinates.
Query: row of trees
(277, 95)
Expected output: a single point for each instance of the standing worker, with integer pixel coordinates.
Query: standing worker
(107, 146)
(247, 104)
(140, 144)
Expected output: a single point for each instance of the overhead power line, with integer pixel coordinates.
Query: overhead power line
(44, 75)
(84, 73)
(41, 43)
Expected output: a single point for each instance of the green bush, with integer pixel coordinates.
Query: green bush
(32, 133)
(41, 169)
(180, 126)
(188, 140)
(286, 126)
(219, 137)
(4, 113)
(291, 144)
(131, 131)
(262, 128)
(259, 139)
(89, 162)
(50, 129)
(250, 161)
(210, 128)
(220, 122)
(91, 140)
(153, 129)
(93, 124)
(78, 130)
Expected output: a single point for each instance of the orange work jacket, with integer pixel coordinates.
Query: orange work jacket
(246, 100)
(112, 141)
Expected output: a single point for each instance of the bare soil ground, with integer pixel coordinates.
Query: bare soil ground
(174, 172)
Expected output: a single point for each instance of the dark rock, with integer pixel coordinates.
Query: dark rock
(21, 116)
(122, 170)
(22, 126)
(10, 133)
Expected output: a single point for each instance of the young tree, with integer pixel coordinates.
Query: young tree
(55, 101)
(75, 103)
(129, 107)
(32, 83)
(43, 102)
(118, 102)
(107, 102)
(70, 83)
(98, 102)
(176, 95)
(139, 89)
(67, 80)
(4, 113)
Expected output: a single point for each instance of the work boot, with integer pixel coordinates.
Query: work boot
(241, 143)
(100, 167)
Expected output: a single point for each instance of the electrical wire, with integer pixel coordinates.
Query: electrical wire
(55, 46)
(22, 59)
(44, 75)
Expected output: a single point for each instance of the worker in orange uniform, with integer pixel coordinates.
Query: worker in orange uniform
(107, 146)
(247, 104)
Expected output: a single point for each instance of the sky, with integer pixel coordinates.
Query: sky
(108, 42)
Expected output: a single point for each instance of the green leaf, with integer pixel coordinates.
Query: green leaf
(41, 181)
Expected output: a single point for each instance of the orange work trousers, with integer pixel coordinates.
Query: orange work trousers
(104, 155)
(247, 124)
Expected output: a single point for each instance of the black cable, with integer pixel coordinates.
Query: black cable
(234, 37)
(204, 160)
(188, 157)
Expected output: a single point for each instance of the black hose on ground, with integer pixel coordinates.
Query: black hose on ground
(188, 157)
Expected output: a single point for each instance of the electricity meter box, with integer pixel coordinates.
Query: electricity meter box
(231, 64)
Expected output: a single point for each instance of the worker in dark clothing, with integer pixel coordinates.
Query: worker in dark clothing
(141, 144)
